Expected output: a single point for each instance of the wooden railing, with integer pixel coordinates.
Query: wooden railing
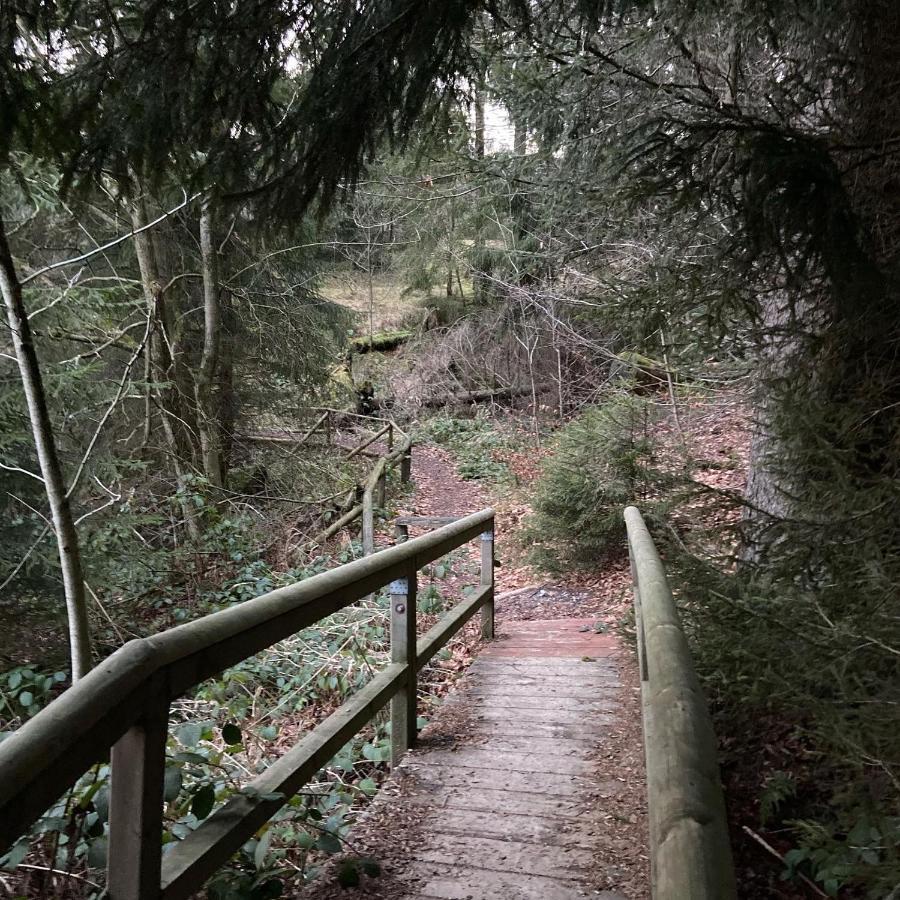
(363, 499)
(123, 705)
(690, 855)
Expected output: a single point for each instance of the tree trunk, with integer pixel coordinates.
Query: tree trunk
(228, 401)
(479, 122)
(175, 423)
(208, 418)
(828, 414)
(48, 458)
(478, 280)
(520, 138)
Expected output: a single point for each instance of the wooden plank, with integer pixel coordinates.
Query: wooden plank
(425, 521)
(690, 850)
(189, 863)
(403, 645)
(136, 806)
(448, 625)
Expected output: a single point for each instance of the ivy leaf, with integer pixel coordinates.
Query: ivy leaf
(101, 803)
(305, 840)
(195, 758)
(15, 856)
(97, 854)
(368, 786)
(172, 782)
(14, 680)
(328, 843)
(189, 734)
(202, 804)
(26, 698)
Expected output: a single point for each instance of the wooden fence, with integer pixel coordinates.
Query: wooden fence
(690, 855)
(363, 500)
(122, 706)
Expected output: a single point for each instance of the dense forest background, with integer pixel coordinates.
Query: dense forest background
(591, 217)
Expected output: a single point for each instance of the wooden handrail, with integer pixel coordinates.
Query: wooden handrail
(690, 855)
(122, 705)
(370, 440)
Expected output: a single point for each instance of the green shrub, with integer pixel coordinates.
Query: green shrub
(602, 462)
(473, 443)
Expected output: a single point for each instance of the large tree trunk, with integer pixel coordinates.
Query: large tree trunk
(208, 417)
(48, 458)
(828, 418)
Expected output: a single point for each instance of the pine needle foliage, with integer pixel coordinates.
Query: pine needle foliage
(602, 461)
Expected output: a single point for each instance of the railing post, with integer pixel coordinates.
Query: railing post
(368, 523)
(487, 578)
(382, 490)
(390, 437)
(406, 465)
(328, 427)
(403, 650)
(138, 765)
(401, 533)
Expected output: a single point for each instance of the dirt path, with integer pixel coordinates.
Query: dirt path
(528, 782)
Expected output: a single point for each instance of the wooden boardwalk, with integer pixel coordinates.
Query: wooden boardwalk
(502, 798)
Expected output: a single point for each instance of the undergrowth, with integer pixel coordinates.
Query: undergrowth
(602, 461)
(475, 443)
(799, 660)
(227, 730)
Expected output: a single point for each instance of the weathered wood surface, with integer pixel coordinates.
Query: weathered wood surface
(425, 521)
(690, 850)
(505, 806)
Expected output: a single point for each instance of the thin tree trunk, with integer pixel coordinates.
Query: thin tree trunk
(479, 122)
(477, 279)
(520, 138)
(148, 388)
(371, 285)
(228, 402)
(48, 458)
(208, 420)
(173, 422)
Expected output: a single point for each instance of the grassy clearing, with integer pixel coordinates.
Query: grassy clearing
(391, 308)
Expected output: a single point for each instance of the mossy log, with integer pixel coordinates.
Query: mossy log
(380, 342)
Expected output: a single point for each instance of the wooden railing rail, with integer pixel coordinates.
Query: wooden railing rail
(690, 854)
(122, 705)
(374, 488)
